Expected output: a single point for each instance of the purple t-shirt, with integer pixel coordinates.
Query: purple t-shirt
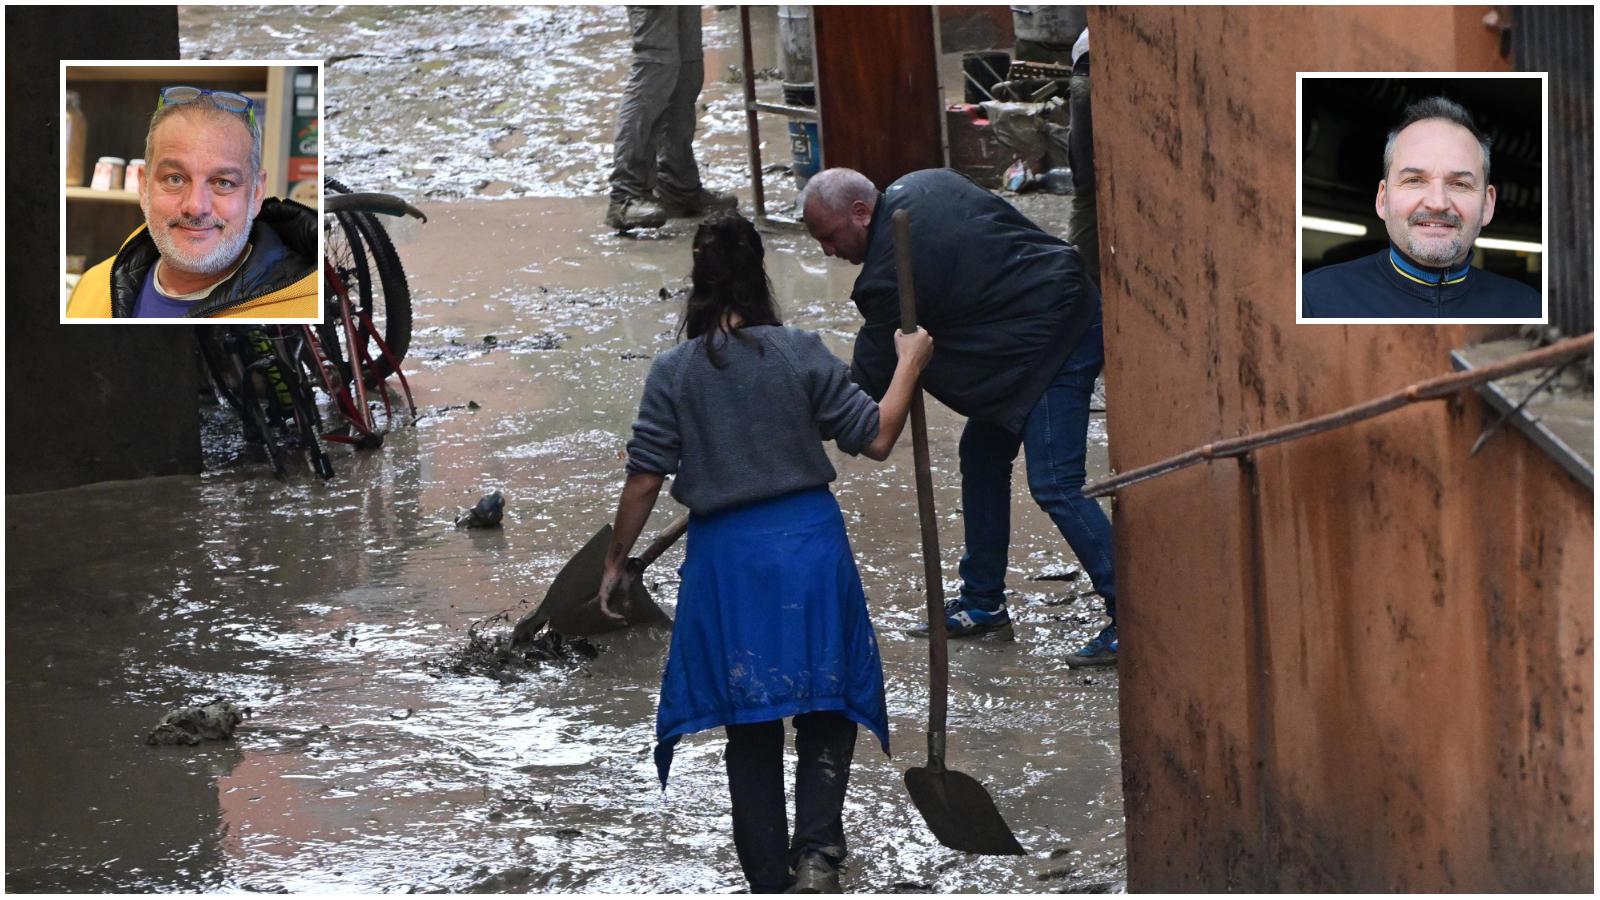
(152, 304)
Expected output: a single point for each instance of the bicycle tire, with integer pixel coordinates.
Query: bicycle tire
(386, 299)
(255, 407)
(215, 357)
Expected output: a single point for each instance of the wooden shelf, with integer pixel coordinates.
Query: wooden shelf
(169, 75)
(83, 193)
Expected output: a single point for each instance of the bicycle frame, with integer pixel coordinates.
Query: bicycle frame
(351, 396)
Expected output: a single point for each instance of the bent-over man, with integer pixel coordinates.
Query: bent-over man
(1017, 336)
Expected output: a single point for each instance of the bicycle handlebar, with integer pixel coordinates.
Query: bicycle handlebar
(371, 202)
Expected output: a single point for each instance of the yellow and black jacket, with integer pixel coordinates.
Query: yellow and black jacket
(277, 281)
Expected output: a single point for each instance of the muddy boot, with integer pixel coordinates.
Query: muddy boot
(634, 212)
(815, 875)
(700, 203)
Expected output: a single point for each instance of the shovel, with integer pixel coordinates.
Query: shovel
(572, 606)
(957, 809)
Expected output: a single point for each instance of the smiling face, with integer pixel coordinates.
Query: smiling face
(199, 196)
(841, 233)
(1434, 199)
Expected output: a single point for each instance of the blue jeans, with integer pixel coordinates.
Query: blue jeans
(1054, 438)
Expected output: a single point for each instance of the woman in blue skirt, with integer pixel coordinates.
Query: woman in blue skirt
(771, 620)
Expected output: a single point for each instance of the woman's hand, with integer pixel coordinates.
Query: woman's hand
(613, 594)
(915, 349)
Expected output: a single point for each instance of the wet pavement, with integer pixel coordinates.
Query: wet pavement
(333, 610)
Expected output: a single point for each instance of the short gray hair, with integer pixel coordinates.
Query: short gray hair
(837, 188)
(1437, 108)
(206, 105)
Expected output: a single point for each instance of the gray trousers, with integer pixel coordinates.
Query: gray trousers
(1083, 231)
(655, 127)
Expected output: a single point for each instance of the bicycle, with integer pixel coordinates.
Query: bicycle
(255, 371)
(267, 372)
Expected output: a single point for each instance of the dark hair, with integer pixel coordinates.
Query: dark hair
(1436, 108)
(727, 277)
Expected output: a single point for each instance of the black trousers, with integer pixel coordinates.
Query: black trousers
(825, 742)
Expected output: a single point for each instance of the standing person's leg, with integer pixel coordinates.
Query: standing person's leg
(987, 452)
(754, 759)
(678, 187)
(1055, 443)
(651, 81)
(1083, 232)
(825, 743)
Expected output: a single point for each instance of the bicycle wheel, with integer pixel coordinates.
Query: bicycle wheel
(365, 259)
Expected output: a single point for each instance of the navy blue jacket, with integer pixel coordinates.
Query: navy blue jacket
(1005, 302)
(1388, 284)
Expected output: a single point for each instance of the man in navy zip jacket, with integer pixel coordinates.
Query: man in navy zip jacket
(1016, 321)
(1434, 198)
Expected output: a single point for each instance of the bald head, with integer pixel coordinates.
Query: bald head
(837, 206)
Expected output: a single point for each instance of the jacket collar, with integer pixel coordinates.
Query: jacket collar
(284, 250)
(1429, 283)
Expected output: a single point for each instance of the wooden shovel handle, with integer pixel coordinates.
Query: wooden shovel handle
(938, 646)
(668, 536)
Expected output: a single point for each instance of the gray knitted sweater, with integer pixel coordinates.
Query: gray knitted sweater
(754, 429)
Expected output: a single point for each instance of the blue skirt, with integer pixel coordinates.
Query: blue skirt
(771, 623)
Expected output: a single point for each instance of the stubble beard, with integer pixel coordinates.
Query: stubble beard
(1431, 252)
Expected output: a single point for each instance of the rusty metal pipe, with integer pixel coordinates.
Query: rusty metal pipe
(757, 194)
(1432, 389)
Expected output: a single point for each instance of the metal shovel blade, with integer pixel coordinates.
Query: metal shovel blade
(959, 811)
(571, 605)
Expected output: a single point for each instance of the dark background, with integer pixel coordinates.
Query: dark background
(1345, 121)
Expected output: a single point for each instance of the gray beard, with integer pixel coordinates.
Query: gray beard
(1440, 258)
(213, 263)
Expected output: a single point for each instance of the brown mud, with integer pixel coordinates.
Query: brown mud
(328, 607)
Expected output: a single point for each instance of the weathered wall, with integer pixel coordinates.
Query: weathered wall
(83, 402)
(1375, 674)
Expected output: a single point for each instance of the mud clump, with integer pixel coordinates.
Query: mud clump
(495, 655)
(187, 726)
(487, 513)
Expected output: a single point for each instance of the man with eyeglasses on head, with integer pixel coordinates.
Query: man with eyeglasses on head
(213, 244)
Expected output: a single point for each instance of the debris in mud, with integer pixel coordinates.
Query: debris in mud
(1059, 572)
(400, 715)
(910, 887)
(512, 880)
(634, 354)
(736, 74)
(486, 514)
(497, 656)
(188, 726)
(1057, 872)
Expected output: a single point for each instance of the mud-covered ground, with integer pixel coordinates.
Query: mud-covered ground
(336, 612)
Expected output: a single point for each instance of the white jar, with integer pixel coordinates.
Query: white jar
(108, 173)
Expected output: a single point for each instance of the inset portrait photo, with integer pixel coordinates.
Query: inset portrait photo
(191, 190)
(1421, 197)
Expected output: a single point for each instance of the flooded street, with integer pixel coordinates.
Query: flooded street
(333, 610)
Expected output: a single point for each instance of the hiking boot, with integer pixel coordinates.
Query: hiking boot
(1102, 651)
(634, 212)
(963, 621)
(699, 203)
(815, 874)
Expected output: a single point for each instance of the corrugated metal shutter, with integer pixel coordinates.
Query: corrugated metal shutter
(1558, 40)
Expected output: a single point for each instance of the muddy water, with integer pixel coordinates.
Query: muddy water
(328, 609)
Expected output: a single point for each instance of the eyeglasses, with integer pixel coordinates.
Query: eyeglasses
(178, 95)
